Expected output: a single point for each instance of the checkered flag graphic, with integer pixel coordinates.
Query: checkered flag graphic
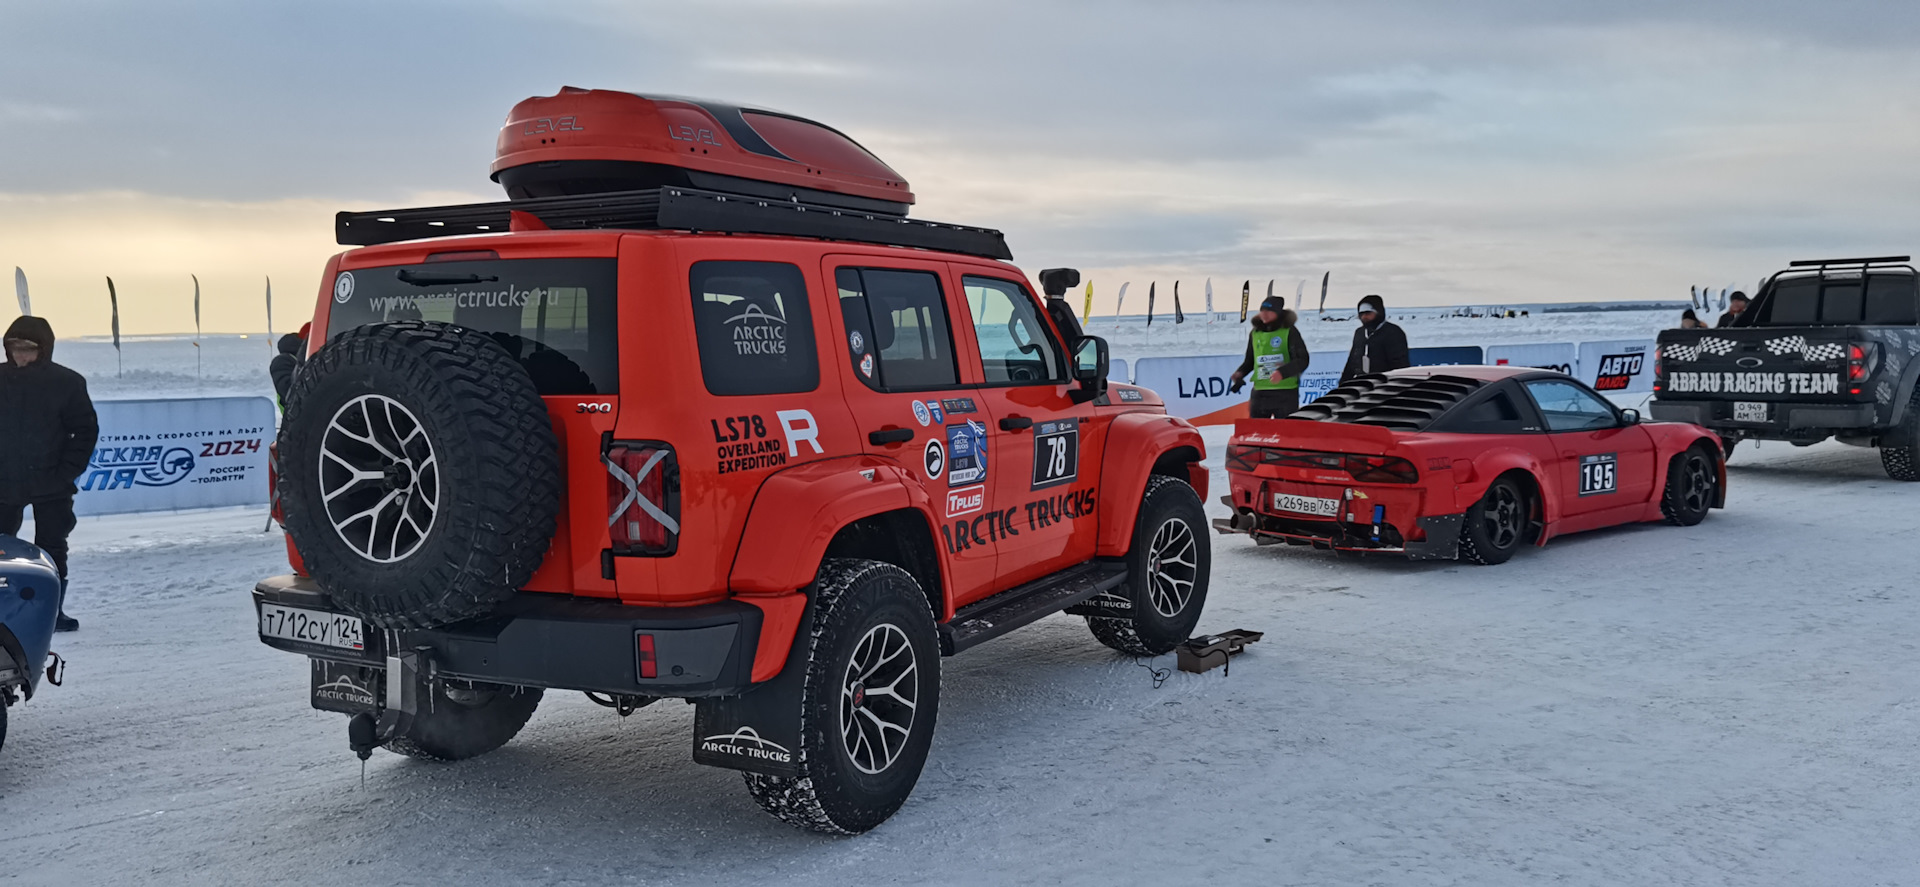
(1717, 346)
(1828, 351)
(1786, 345)
(1681, 353)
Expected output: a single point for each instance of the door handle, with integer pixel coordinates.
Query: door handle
(1015, 423)
(889, 436)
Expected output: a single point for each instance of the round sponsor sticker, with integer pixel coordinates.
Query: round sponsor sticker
(920, 414)
(856, 341)
(936, 459)
(343, 287)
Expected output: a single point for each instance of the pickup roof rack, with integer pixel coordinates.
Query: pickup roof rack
(1877, 260)
(668, 208)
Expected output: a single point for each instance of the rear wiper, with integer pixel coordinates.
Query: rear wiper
(428, 278)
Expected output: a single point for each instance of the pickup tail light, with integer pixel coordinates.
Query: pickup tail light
(643, 498)
(1860, 361)
(1372, 469)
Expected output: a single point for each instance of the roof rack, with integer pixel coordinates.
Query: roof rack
(669, 208)
(1401, 403)
(1877, 260)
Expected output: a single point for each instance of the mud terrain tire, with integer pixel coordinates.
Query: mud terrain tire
(436, 439)
(873, 643)
(1691, 479)
(1170, 555)
(1900, 450)
(461, 722)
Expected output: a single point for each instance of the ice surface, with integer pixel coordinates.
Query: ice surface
(1732, 703)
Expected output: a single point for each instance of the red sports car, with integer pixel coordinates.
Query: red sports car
(1463, 461)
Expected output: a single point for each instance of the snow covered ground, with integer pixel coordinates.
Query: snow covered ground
(1733, 703)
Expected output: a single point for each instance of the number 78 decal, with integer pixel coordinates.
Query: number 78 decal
(1056, 452)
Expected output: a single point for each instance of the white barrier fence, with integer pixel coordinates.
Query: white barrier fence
(1195, 388)
(165, 455)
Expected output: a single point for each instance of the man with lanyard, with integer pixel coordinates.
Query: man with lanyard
(1379, 344)
(1276, 355)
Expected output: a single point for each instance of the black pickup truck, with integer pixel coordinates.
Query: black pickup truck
(1826, 349)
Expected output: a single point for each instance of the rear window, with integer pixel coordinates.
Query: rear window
(1840, 299)
(556, 316)
(754, 328)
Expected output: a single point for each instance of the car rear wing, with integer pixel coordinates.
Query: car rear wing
(1313, 436)
(666, 208)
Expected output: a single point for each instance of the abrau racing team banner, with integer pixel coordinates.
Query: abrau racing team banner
(163, 455)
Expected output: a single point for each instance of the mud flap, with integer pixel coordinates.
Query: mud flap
(346, 688)
(758, 731)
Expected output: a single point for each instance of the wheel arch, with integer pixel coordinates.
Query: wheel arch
(1140, 445)
(798, 513)
(903, 538)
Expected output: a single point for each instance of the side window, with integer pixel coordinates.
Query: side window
(1794, 302)
(1016, 346)
(1841, 301)
(1495, 415)
(897, 333)
(1569, 407)
(754, 329)
(1890, 299)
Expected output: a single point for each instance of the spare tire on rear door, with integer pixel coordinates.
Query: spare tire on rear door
(419, 473)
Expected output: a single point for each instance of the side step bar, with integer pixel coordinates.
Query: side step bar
(1028, 603)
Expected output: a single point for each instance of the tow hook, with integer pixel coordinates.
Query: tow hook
(365, 731)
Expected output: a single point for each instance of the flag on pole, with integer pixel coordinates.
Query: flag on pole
(1120, 302)
(1086, 312)
(270, 344)
(1300, 294)
(113, 305)
(1150, 285)
(1723, 297)
(1323, 290)
(1246, 292)
(1178, 317)
(196, 324)
(1210, 316)
(20, 290)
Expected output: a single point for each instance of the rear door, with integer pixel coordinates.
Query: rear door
(896, 329)
(1602, 462)
(1044, 449)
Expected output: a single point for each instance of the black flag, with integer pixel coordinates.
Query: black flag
(113, 304)
(1178, 317)
(196, 324)
(1149, 304)
(1323, 290)
(1246, 292)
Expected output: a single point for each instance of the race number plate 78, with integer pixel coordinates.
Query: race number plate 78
(336, 630)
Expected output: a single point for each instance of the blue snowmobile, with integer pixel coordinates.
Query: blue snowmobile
(29, 602)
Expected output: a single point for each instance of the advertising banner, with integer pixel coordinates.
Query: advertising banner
(1561, 357)
(1618, 366)
(1454, 355)
(1117, 370)
(163, 455)
(1192, 386)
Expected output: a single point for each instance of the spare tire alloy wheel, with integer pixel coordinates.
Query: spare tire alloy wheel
(378, 478)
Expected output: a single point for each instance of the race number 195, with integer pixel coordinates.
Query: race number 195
(1597, 474)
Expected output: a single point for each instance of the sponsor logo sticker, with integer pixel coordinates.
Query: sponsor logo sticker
(935, 459)
(921, 415)
(966, 501)
(933, 406)
(959, 405)
(747, 743)
(967, 443)
(1617, 371)
(856, 342)
(343, 287)
(1131, 395)
(866, 365)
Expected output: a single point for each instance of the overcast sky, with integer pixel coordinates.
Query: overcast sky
(1436, 153)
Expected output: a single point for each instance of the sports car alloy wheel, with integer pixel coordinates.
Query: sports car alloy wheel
(878, 698)
(1171, 567)
(378, 478)
(1505, 516)
(1696, 482)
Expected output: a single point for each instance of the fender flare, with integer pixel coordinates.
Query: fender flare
(1494, 463)
(1675, 441)
(1135, 442)
(1903, 393)
(798, 511)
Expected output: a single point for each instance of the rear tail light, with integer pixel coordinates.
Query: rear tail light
(1374, 469)
(1860, 362)
(1656, 366)
(643, 498)
(649, 663)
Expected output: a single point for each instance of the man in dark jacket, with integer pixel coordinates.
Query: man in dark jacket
(1736, 306)
(1276, 356)
(1379, 344)
(50, 434)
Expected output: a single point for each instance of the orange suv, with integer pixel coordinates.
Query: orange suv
(700, 413)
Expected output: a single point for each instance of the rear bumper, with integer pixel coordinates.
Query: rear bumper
(1440, 532)
(556, 642)
(1788, 419)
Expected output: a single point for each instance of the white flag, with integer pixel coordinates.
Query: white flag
(1210, 316)
(20, 290)
(1122, 300)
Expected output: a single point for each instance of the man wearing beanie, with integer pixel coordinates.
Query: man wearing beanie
(51, 434)
(1379, 344)
(1276, 355)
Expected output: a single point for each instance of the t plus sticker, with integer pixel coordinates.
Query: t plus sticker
(936, 459)
(1598, 474)
(961, 502)
(920, 414)
(967, 446)
(1056, 452)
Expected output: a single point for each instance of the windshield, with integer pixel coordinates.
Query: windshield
(556, 316)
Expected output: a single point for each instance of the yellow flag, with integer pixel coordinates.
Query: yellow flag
(1086, 312)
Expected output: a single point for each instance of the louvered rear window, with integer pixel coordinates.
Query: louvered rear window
(1402, 403)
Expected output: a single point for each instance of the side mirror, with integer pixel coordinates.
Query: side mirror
(1629, 417)
(1090, 364)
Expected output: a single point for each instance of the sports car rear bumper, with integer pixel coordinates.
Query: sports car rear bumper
(1441, 534)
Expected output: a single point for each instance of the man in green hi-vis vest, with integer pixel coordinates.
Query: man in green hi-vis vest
(1276, 356)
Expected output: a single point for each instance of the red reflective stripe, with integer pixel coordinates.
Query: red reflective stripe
(649, 666)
